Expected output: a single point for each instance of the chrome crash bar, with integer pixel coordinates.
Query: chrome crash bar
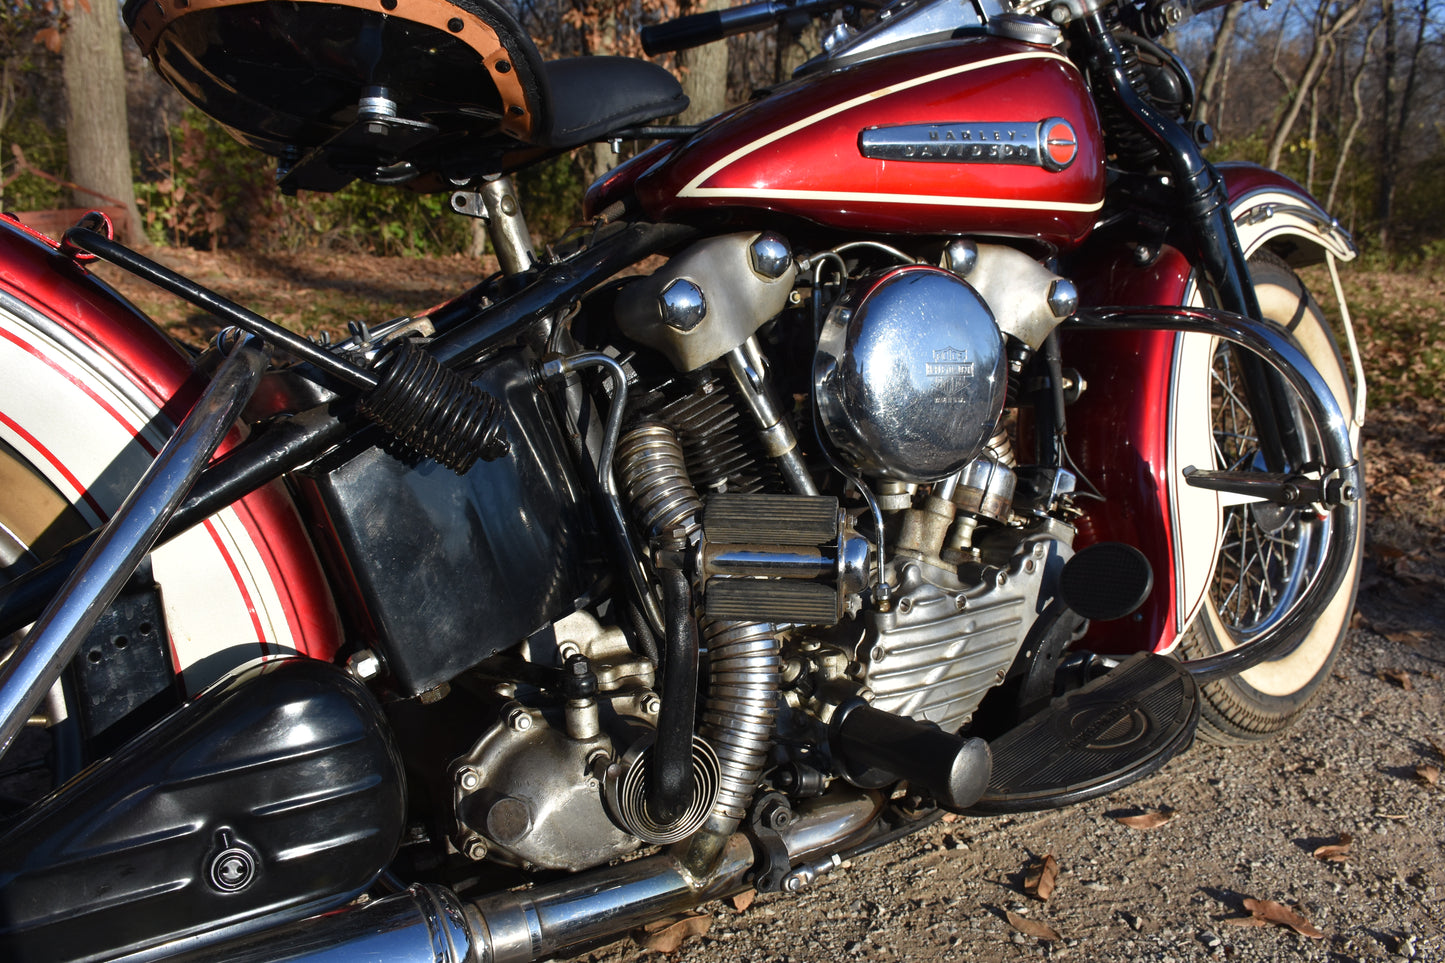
(1341, 471)
(36, 663)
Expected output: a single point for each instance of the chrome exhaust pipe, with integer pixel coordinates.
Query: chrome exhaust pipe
(430, 924)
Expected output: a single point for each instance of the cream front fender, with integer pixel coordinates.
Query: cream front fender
(1272, 213)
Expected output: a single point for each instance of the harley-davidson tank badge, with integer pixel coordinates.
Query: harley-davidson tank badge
(1050, 143)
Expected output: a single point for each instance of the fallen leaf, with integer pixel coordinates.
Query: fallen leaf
(1429, 775)
(950, 817)
(1145, 820)
(1409, 637)
(743, 900)
(1246, 921)
(51, 38)
(667, 936)
(1034, 928)
(1039, 883)
(1336, 852)
(1268, 909)
(1439, 749)
(1400, 677)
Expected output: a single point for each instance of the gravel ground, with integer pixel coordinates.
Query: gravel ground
(1245, 822)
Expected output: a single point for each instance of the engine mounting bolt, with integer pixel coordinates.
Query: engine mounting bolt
(794, 884)
(476, 848)
(1063, 298)
(682, 305)
(770, 256)
(468, 779)
(1039, 550)
(960, 601)
(518, 719)
(364, 665)
(960, 255)
(651, 704)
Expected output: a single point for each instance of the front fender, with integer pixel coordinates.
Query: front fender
(1271, 211)
(1146, 413)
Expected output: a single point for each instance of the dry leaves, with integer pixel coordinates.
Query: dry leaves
(1429, 775)
(667, 936)
(1040, 931)
(1336, 852)
(743, 900)
(1264, 911)
(1400, 677)
(1040, 878)
(1145, 820)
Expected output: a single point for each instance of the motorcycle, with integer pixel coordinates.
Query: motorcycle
(973, 448)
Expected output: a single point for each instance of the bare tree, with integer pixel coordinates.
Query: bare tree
(1357, 117)
(1328, 22)
(1211, 86)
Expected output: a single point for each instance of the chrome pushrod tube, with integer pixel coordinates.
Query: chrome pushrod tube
(1275, 346)
(36, 663)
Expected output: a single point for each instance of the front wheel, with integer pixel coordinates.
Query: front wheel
(1268, 554)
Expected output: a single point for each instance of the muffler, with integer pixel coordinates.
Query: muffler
(430, 924)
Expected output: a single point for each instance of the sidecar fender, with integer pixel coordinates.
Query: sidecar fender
(91, 391)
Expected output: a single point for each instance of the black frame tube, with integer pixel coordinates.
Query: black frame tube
(203, 297)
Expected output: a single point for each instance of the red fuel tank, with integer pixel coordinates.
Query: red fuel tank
(977, 136)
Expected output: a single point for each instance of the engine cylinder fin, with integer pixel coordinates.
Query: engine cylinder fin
(721, 455)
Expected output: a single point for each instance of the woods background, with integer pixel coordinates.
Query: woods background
(1346, 96)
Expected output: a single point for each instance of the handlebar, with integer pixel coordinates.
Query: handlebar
(696, 29)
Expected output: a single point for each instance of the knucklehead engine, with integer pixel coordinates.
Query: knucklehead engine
(815, 603)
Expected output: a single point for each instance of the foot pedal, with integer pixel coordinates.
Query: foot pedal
(1116, 730)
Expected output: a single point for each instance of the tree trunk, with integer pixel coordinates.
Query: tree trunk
(705, 73)
(97, 141)
(796, 49)
(1385, 198)
(1210, 88)
(1356, 119)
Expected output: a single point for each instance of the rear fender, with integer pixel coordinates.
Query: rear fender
(92, 390)
(1116, 432)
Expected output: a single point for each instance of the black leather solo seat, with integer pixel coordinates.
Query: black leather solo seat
(390, 90)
